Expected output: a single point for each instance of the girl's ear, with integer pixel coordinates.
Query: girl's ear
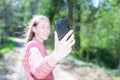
(34, 29)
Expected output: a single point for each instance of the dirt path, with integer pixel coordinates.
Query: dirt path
(12, 69)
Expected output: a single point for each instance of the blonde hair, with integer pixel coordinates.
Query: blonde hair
(33, 22)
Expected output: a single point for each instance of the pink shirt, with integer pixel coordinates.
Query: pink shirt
(37, 70)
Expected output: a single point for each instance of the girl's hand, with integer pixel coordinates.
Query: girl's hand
(64, 46)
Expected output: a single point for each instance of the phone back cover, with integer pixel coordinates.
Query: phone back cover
(62, 27)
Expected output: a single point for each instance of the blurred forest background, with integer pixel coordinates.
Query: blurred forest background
(96, 25)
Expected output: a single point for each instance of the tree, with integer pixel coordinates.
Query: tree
(77, 22)
(5, 24)
(70, 11)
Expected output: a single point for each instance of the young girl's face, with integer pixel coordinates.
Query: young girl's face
(42, 29)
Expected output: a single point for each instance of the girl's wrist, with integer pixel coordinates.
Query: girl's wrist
(52, 60)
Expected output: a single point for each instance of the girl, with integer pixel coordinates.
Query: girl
(37, 63)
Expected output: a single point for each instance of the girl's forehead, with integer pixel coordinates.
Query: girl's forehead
(44, 22)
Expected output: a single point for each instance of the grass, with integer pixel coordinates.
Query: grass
(7, 47)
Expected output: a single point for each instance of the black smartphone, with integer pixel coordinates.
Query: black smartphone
(61, 27)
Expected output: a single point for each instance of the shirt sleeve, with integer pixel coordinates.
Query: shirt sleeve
(39, 65)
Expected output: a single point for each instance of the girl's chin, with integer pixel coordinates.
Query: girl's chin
(45, 38)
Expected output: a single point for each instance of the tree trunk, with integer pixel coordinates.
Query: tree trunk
(119, 65)
(70, 12)
(76, 25)
(74, 21)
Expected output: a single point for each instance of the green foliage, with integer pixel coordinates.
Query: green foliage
(100, 34)
(8, 46)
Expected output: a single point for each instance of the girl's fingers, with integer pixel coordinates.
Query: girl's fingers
(67, 35)
(72, 43)
(56, 37)
(69, 50)
(70, 39)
